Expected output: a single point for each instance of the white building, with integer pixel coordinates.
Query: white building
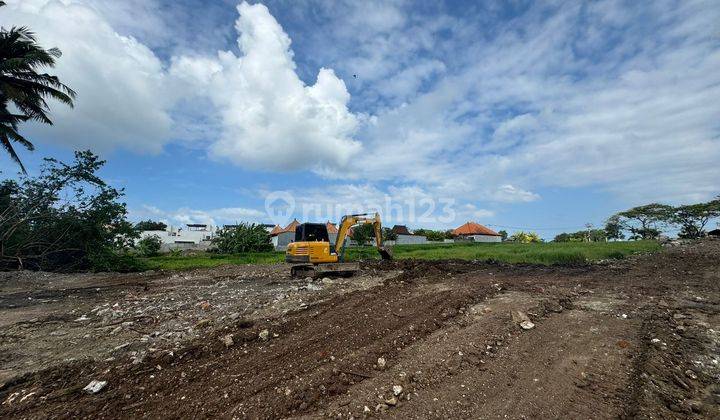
(192, 236)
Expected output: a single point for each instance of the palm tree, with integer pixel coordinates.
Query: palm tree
(24, 88)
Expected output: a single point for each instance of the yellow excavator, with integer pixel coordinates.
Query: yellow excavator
(312, 254)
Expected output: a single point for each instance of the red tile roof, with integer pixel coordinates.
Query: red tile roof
(472, 228)
(331, 228)
(276, 230)
(400, 230)
(291, 227)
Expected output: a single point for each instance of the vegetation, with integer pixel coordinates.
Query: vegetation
(23, 90)
(503, 235)
(590, 235)
(362, 234)
(648, 221)
(149, 225)
(434, 235)
(242, 238)
(525, 237)
(544, 253)
(66, 218)
(149, 246)
(389, 235)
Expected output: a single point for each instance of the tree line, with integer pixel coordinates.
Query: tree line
(691, 221)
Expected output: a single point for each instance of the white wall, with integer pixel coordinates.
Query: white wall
(485, 238)
(411, 240)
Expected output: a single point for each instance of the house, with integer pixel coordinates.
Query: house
(405, 237)
(476, 232)
(282, 237)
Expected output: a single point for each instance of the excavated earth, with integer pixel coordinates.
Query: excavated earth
(638, 338)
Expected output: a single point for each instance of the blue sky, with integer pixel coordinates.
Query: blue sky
(535, 115)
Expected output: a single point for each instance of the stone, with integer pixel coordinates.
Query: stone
(397, 390)
(264, 335)
(95, 386)
(391, 401)
(227, 340)
(527, 325)
(366, 409)
(381, 407)
(381, 363)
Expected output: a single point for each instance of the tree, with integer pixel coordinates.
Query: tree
(66, 218)
(432, 235)
(149, 225)
(693, 218)
(149, 246)
(503, 235)
(646, 222)
(362, 234)
(613, 228)
(242, 238)
(22, 86)
(525, 237)
(389, 235)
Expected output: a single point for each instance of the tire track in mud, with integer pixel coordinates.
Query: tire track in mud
(316, 356)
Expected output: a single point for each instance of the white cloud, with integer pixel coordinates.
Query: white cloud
(632, 110)
(119, 81)
(270, 120)
(185, 215)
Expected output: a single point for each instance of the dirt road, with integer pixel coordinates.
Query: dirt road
(637, 338)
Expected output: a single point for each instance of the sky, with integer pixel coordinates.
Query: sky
(520, 115)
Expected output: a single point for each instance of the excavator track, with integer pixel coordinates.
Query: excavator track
(324, 270)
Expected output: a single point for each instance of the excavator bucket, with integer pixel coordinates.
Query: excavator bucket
(385, 253)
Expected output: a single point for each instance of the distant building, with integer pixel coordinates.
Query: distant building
(476, 232)
(282, 237)
(405, 237)
(192, 236)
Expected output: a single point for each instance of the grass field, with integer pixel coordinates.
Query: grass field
(545, 253)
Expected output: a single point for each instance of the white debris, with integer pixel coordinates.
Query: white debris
(397, 390)
(227, 340)
(82, 318)
(527, 325)
(264, 335)
(95, 386)
(381, 363)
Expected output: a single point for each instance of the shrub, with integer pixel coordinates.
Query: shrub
(149, 246)
(64, 219)
(113, 261)
(242, 238)
(525, 237)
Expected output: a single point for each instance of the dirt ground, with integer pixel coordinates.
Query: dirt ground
(638, 338)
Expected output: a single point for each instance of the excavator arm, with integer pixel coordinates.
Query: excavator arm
(358, 219)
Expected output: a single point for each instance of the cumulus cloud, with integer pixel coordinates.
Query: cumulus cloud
(120, 82)
(270, 119)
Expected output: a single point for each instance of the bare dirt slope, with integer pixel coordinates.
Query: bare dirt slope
(411, 339)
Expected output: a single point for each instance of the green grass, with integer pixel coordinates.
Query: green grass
(545, 253)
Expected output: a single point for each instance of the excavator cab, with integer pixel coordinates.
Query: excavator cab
(314, 255)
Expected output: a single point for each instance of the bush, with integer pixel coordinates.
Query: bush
(242, 238)
(62, 219)
(111, 261)
(149, 246)
(525, 237)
